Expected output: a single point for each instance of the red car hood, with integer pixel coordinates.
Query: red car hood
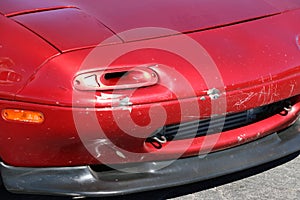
(73, 24)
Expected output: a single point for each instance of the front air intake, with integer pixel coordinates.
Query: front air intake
(213, 125)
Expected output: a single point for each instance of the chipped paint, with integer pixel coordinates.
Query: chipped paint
(103, 97)
(114, 99)
(128, 108)
(111, 96)
(214, 93)
(125, 102)
(258, 134)
(241, 137)
(202, 98)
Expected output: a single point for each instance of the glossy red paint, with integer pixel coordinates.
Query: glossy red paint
(92, 16)
(276, 51)
(168, 14)
(64, 33)
(258, 59)
(65, 16)
(17, 63)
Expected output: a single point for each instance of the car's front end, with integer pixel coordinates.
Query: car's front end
(149, 107)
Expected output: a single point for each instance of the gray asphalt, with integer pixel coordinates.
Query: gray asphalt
(281, 182)
(277, 180)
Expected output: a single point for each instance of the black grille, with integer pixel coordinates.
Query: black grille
(219, 124)
(203, 127)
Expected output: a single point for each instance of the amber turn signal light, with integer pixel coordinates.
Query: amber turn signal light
(23, 116)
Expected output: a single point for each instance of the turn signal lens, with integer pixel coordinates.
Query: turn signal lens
(23, 116)
(116, 79)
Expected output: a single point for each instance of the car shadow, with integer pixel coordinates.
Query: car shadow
(169, 192)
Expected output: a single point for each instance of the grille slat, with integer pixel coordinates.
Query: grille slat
(203, 127)
(206, 122)
(214, 126)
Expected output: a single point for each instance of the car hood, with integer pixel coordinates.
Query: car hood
(70, 24)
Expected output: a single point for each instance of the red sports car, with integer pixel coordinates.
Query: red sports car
(112, 97)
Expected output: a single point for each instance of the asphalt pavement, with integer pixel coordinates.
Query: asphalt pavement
(276, 180)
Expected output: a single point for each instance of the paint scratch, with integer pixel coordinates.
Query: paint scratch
(248, 98)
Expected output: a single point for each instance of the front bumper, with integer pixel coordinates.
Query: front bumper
(83, 181)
